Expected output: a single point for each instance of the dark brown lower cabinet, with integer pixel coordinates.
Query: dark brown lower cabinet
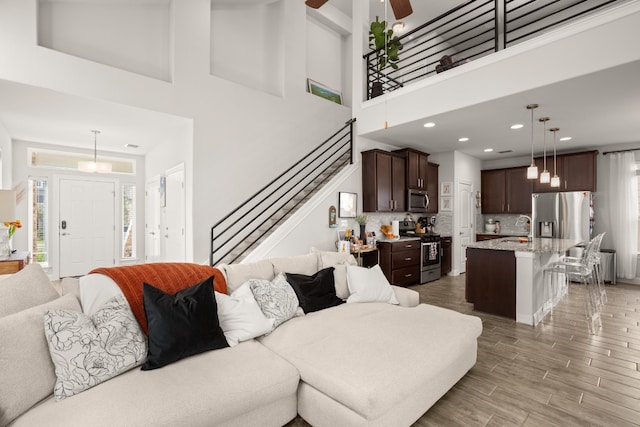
(490, 281)
(400, 261)
(445, 260)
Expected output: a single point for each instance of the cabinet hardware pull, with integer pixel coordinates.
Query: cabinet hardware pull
(407, 259)
(408, 275)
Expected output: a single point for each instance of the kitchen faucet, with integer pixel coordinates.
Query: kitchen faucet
(528, 218)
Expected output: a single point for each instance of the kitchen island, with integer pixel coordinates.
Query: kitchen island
(505, 276)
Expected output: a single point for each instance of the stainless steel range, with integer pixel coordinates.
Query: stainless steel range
(430, 252)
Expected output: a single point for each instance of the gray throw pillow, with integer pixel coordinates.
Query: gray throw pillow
(89, 350)
(26, 288)
(276, 298)
(26, 373)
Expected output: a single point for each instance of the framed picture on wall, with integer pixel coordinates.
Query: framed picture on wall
(445, 204)
(348, 205)
(324, 92)
(446, 189)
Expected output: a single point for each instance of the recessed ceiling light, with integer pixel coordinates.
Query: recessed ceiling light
(517, 126)
(131, 145)
(429, 124)
(488, 150)
(565, 138)
(463, 139)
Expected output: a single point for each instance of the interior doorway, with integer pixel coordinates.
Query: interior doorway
(86, 225)
(465, 219)
(152, 226)
(174, 243)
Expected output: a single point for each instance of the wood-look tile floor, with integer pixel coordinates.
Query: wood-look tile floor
(554, 374)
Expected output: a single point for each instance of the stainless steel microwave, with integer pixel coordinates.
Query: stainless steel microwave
(417, 200)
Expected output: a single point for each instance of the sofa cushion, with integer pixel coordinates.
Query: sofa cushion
(241, 318)
(315, 292)
(89, 350)
(300, 264)
(182, 324)
(214, 388)
(369, 285)
(26, 372)
(339, 261)
(276, 298)
(26, 288)
(361, 366)
(237, 274)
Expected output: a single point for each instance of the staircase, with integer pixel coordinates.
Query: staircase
(232, 239)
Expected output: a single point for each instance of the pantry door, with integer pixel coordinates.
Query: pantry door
(466, 213)
(87, 226)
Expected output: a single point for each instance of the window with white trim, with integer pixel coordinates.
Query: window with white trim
(38, 199)
(128, 221)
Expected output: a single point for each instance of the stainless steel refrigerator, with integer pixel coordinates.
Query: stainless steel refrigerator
(562, 215)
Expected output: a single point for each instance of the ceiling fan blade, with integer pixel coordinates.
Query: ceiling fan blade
(401, 8)
(315, 3)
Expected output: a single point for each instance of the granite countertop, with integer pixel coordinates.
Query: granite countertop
(537, 245)
(398, 239)
(486, 233)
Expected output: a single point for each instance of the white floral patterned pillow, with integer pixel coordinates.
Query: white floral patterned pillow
(276, 298)
(89, 350)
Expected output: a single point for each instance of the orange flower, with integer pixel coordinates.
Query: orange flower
(13, 226)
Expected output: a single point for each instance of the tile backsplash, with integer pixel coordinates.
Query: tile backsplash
(443, 225)
(509, 223)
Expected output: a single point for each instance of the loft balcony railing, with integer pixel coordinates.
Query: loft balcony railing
(470, 31)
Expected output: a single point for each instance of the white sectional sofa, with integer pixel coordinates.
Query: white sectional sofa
(355, 364)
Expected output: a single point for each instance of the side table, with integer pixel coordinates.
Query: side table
(14, 263)
(367, 257)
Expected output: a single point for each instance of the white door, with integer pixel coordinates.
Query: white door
(173, 217)
(466, 212)
(152, 221)
(87, 226)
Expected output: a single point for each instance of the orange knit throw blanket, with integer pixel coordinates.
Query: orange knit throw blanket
(171, 277)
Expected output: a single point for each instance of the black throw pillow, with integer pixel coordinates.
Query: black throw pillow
(315, 292)
(181, 325)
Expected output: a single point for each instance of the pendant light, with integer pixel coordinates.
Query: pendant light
(545, 176)
(555, 180)
(95, 166)
(532, 171)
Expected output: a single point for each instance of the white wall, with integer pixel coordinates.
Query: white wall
(241, 137)
(6, 149)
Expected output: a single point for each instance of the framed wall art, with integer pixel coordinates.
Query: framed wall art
(324, 92)
(348, 204)
(445, 204)
(446, 189)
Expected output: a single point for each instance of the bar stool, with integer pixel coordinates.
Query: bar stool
(586, 270)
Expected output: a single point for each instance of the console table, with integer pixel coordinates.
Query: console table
(14, 263)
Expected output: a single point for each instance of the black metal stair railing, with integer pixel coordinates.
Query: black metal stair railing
(470, 31)
(238, 231)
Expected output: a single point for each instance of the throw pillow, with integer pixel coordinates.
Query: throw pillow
(89, 350)
(26, 288)
(238, 274)
(240, 316)
(276, 298)
(95, 291)
(339, 261)
(301, 264)
(26, 373)
(369, 285)
(315, 292)
(182, 324)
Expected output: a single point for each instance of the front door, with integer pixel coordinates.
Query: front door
(466, 212)
(87, 226)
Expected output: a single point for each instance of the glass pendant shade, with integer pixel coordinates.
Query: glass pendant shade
(555, 181)
(95, 165)
(545, 177)
(532, 171)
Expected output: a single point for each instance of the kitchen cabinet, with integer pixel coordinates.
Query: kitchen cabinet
(383, 182)
(506, 191)
(432, 187)
(445, 259)
(577, 172)
(490, 281)
(417, 168)
(400, 261)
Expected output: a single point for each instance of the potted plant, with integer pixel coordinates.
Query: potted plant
(386, 47)
(362, 221)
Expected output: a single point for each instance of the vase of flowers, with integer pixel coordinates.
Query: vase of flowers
(12, 226)
(362, 221)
